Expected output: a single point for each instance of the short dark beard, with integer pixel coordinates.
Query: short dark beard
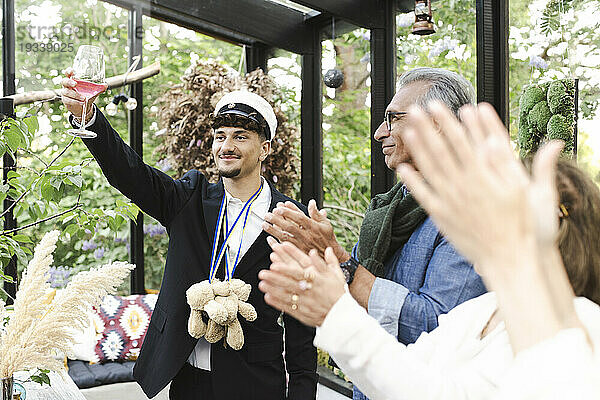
(230, 174)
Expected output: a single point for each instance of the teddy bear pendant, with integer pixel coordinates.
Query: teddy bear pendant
(220, 301)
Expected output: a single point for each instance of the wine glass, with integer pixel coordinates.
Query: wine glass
(88, 72)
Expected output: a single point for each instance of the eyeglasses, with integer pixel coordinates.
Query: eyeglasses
(391, 116)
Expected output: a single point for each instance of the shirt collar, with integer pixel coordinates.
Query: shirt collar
(258, 207)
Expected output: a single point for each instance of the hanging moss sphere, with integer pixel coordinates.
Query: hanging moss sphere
(531, 96)
(560, 101)
(539, 116)
(525, 136)
(559, 128)
(334, 78)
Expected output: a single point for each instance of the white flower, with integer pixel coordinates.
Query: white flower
(538, 62)
(405, 20)
(442, 45)
(410, 58)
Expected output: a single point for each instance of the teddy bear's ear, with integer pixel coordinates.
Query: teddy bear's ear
(243, 292)
(196, 295)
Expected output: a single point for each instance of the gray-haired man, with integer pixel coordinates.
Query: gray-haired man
(402, 270)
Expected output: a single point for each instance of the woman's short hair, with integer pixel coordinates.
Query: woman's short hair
(579, 232)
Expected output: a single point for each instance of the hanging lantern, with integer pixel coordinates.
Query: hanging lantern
(423, 18)
(111, 108)
(131, 104)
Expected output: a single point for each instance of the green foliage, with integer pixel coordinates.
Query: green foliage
(531, 96)
(561, 97)
(560, 128)
(539, 116)
(550, 118)
(346, 168)
(551, 16)
(41, 377)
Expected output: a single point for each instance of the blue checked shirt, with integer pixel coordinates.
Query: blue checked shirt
(426, 278)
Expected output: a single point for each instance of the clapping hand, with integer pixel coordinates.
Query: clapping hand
(288, 223)
(305, 286)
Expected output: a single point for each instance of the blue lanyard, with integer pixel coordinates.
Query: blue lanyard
(237, 257)
(216, 256)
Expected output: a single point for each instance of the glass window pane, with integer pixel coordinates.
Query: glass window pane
(48, 35)
(555, 40)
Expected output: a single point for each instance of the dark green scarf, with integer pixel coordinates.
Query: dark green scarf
(389, 221)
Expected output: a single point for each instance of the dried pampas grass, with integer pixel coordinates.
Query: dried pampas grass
(36, 330)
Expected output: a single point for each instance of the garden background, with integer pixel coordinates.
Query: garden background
(548, 39)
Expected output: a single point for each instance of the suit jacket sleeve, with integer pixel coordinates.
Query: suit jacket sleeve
(300, 353)
(156, 193)
(300, 359)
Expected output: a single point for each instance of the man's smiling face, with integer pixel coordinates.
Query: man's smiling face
(237, 152)
(391, 143)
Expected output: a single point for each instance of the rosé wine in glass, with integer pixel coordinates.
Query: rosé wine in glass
(89, 89)
(88, 72)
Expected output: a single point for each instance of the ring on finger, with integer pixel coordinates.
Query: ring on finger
(287, 235)
(295, 298)
(309, 275)
(304, 285)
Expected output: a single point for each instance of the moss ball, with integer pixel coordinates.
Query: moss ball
(559, 128)
(570, 86)
(539, 116)
(560, 101)
(530, 97)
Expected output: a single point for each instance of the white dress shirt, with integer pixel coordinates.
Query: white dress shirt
(200, 357)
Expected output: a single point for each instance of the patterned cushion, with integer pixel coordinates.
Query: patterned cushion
(122, 324)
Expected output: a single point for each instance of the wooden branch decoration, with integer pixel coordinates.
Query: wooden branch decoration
(113, 82)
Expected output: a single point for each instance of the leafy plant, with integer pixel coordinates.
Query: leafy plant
(41, 377)
(50, 193)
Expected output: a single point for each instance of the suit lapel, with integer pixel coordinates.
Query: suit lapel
(260, 248)
(211, 204)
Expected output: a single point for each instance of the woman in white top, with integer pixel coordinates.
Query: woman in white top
(503, 220)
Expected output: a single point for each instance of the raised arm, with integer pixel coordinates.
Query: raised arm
(153, 191)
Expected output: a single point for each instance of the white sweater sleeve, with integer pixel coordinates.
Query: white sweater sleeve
(383, 368)
(563, 368)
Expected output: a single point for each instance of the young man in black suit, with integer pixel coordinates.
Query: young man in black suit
(190, 208)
